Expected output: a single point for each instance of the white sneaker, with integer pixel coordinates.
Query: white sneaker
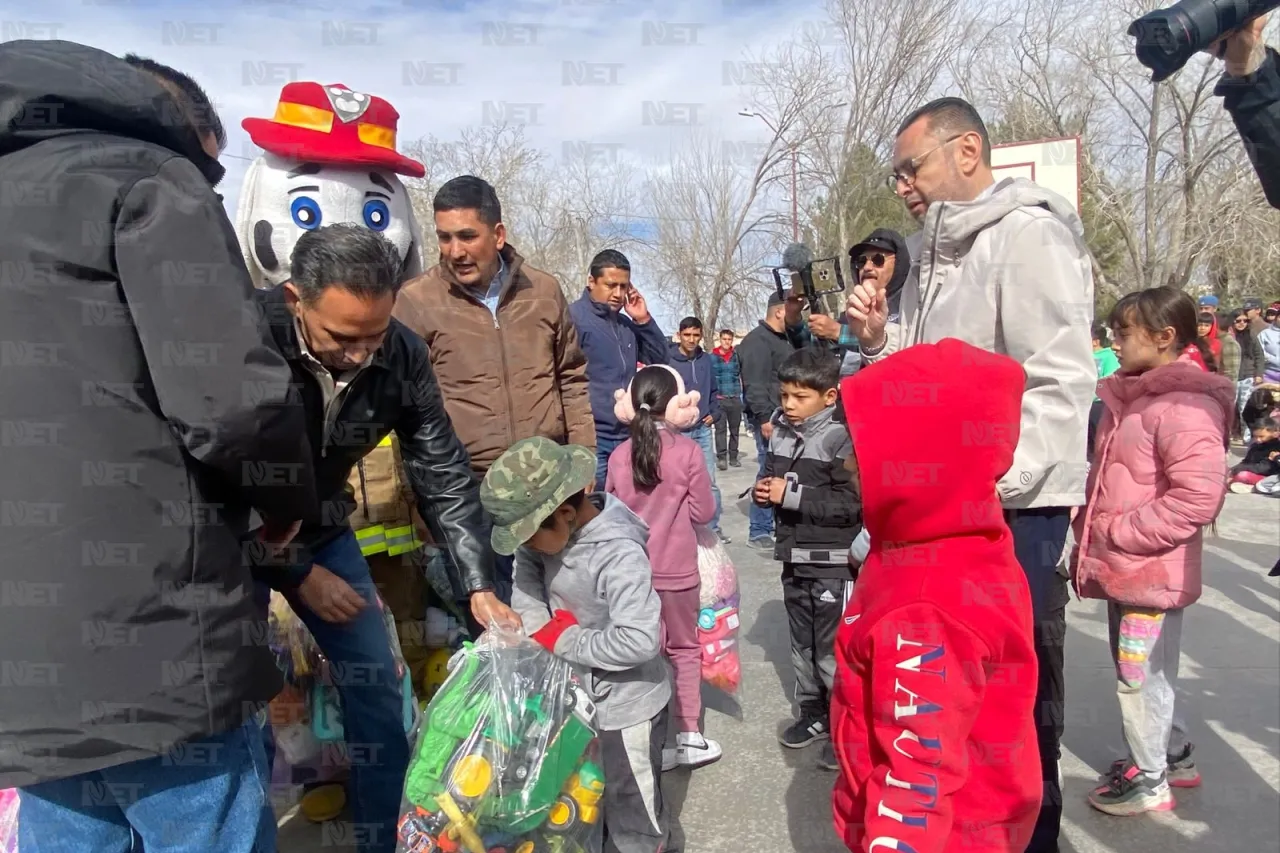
(693, 750)
(1241, 488)
(668, 760)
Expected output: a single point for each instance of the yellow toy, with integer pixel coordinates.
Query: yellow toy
(435, 672)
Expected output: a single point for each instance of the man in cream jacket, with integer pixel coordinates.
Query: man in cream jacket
(1004, 267)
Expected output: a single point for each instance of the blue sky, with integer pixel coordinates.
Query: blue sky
(606, 71)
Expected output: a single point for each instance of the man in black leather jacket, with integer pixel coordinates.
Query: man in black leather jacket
(1250, 91)
(359, 375)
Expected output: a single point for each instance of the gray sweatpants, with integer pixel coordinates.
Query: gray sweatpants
(1146, 646)
(635, 819)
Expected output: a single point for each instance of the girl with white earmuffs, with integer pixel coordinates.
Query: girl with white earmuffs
(661, 475)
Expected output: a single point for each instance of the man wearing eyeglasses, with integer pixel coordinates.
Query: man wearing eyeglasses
(1003, 267)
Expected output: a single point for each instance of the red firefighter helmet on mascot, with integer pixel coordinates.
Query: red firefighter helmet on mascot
(330, 156)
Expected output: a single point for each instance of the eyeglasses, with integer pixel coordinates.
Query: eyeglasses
(907, 175)
(877, 260)
(1239, 320)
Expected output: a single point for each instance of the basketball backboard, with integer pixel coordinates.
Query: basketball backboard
(1051, 163)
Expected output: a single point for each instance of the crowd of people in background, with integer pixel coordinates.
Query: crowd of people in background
(565, 453)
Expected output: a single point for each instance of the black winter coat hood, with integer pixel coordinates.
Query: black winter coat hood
(902, 262)
(145, 413)
(57, 88)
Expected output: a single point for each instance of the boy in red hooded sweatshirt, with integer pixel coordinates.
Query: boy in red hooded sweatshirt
(933, 708)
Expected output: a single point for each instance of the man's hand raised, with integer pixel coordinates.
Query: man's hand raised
(868, 311)
(1243, 50)
(637, 308)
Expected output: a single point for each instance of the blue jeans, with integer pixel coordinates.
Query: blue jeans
(706, 438)
(604, 447)
(760, 518)
(364, 672)
(1244, 388)
(203, 796)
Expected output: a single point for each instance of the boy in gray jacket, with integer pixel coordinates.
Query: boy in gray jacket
(583, 590)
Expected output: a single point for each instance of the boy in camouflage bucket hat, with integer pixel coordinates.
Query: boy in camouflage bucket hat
(528, 483)
(584, 591)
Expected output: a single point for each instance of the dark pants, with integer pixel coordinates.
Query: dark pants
(1095, 415)
(1039, 537)
(635, 818)
(814, 608)
(728, 425)
(760, 518)
(363, 670)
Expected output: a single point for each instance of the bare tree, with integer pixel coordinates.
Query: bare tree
(883, 58)
(711, 240)
(1165, 182)
(555, 214)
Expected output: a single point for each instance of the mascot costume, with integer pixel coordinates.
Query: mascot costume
(330, 156)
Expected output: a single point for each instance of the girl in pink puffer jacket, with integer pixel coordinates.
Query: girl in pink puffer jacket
(1158, 477)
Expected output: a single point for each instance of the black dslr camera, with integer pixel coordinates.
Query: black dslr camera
(1168, 37)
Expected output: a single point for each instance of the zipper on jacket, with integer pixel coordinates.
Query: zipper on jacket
(506, 380)
(918, 336)
(502, 349)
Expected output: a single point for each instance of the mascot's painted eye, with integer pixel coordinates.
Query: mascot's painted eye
(306, 213)
(376, 215)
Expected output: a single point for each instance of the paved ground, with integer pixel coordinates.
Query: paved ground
(762, 797)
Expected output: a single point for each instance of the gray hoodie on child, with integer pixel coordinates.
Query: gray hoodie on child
(603, 578)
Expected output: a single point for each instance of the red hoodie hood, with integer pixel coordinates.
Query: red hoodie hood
(933, 428)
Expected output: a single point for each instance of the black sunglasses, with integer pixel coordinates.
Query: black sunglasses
(877, 260)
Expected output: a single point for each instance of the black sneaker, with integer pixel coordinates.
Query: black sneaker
(803, 732)
(722, 465)
(735, 463)
(762, 543)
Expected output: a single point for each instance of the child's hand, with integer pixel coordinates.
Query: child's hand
(768, 491)
(1273, 454)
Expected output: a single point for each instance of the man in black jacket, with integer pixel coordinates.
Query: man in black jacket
(132, 457)
(761, 353)
(1250, 91)
(360, 375)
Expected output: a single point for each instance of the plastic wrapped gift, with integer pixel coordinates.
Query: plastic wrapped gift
(507, 757)
(718, 620)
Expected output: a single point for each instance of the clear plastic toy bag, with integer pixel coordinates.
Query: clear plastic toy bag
(718, 619)
(507, 758)
(9, 820)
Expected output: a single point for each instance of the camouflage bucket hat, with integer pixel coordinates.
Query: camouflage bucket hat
(529, 482)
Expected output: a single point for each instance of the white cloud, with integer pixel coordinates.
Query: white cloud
(630, 65)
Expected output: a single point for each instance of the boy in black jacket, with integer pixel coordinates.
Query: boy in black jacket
(1261, 460)
(817, 517)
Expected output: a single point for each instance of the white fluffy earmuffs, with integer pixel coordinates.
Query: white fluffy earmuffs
(682, 409)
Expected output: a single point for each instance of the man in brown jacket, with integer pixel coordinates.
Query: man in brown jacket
(502, 345)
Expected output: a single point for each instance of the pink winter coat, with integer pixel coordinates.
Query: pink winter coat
(682, 499)
(1159, 476)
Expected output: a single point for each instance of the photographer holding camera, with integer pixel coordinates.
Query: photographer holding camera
(1232, 31)
(1250, 91)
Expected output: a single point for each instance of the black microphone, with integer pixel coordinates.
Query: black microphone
(797, 257)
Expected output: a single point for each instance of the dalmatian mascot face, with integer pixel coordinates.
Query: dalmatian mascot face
(330, 156)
